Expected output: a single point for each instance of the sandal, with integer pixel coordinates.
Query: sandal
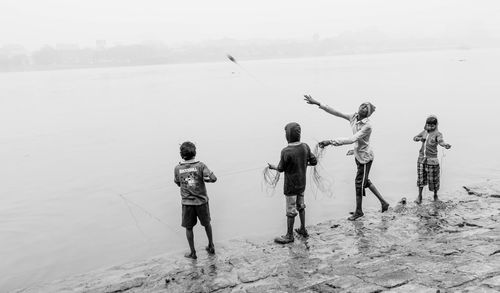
(283, 239)
(355, 216)
(302, 232)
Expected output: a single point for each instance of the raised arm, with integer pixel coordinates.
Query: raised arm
(310, 100)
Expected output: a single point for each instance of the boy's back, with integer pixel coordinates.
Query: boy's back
(294, 161)
(189, 176)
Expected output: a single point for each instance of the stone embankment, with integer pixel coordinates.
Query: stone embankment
(445, 246)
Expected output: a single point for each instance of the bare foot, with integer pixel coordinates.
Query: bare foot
(210, 249)
(191, 255)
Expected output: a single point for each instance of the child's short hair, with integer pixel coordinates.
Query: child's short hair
(431, 120)
(188, 150)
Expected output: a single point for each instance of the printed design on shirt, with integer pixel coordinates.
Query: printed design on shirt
(181, 171)
(190, 180)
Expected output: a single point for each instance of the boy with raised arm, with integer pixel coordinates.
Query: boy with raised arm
(361, 129)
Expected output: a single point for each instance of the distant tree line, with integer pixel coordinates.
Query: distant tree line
(15, 58)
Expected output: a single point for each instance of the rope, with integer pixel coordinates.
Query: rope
(240, 171)
(145, 211)
(135, 219)
(129, 202)
(441, 162)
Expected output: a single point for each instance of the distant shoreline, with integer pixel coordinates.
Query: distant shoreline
(223, 59)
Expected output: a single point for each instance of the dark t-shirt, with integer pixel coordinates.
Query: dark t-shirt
(189, 176)
(294, 160)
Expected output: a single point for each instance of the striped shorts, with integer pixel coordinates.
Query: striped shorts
(428, 175)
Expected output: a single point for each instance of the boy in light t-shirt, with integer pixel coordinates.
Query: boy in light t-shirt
(190, 175)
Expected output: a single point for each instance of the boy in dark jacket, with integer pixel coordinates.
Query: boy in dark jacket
(294, 161)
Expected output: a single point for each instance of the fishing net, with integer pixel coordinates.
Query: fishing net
(270, 179)
(319, 152)
(320, 182)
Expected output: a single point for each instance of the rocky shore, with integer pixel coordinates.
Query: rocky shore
(446, 246)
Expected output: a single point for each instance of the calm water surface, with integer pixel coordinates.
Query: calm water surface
(88, 155)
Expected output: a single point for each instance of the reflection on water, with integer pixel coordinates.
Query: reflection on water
(362, 242)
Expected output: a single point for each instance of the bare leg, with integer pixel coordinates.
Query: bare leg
(290, 221)
(302, 216)
(190, 238)
(302, 230)
(359, 211)
(289, 232)
(210, 248)
(419, 199)
(375, 191)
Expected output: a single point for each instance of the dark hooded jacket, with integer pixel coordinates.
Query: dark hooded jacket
(294, 161)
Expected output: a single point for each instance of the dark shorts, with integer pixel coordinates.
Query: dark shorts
(428, 175)
(361, 181)
(191, 212)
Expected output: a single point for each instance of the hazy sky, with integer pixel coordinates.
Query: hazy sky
(36, 22)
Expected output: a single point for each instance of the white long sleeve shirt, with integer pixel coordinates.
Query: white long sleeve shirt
(361, 130)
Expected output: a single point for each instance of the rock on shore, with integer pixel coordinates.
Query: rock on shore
(445, 246)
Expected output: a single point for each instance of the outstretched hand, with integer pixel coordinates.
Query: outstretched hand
(310, 100)
(324, 143)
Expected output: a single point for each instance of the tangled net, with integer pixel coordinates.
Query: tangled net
(270, 180)
(320, 182)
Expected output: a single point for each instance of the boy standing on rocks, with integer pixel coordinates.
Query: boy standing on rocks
(294, 161)
(428, 164)
(190, 176)
(361, 129)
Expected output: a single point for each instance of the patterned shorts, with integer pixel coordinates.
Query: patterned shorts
(294, 204)
(428, 174)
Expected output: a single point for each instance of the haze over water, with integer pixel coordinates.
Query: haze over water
(73, 141)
